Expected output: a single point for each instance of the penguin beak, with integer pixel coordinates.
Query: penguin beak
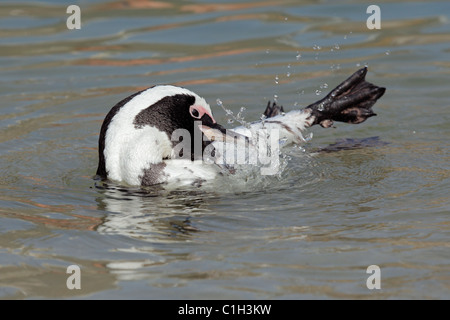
(215, 132)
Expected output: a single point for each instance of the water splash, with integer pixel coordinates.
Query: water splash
(263, 119)
(240, 113)
(232, 118)
(252, 173)
(308, 137)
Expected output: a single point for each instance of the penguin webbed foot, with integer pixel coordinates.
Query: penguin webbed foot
(350, 102)
(273, 110)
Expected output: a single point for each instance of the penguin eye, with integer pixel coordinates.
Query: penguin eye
(195, 113)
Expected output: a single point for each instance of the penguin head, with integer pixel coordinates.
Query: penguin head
(138, 131)
(179, 109)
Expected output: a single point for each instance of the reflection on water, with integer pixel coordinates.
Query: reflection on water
(343, 202)
(151, 214)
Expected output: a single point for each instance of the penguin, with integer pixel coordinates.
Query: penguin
(160, 135)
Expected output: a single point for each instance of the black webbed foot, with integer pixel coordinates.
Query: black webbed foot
(350, 102)
(273, 110)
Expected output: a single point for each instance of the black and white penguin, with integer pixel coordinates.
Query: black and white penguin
(137, 145)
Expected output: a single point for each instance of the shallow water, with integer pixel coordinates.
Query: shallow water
(309, 233)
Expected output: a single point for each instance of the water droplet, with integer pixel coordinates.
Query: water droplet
(263, 118)
(219, 102)
(309, 137)
(267, 51)
(316, 47)
(288, 74)
(336, 46)
(318, 92)
(324, 86)
(285, 19)
(335, 66)
(276, 79)
(230, 121)
(298, 56)
(243, 109)
(283, 141)
(388, 52)
(358, 64)
(275, 97)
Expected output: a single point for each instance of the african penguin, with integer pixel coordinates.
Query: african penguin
(160, 134)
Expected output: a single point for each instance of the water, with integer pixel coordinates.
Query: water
(309, 233)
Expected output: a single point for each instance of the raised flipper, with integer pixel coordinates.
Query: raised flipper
(350, 102)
